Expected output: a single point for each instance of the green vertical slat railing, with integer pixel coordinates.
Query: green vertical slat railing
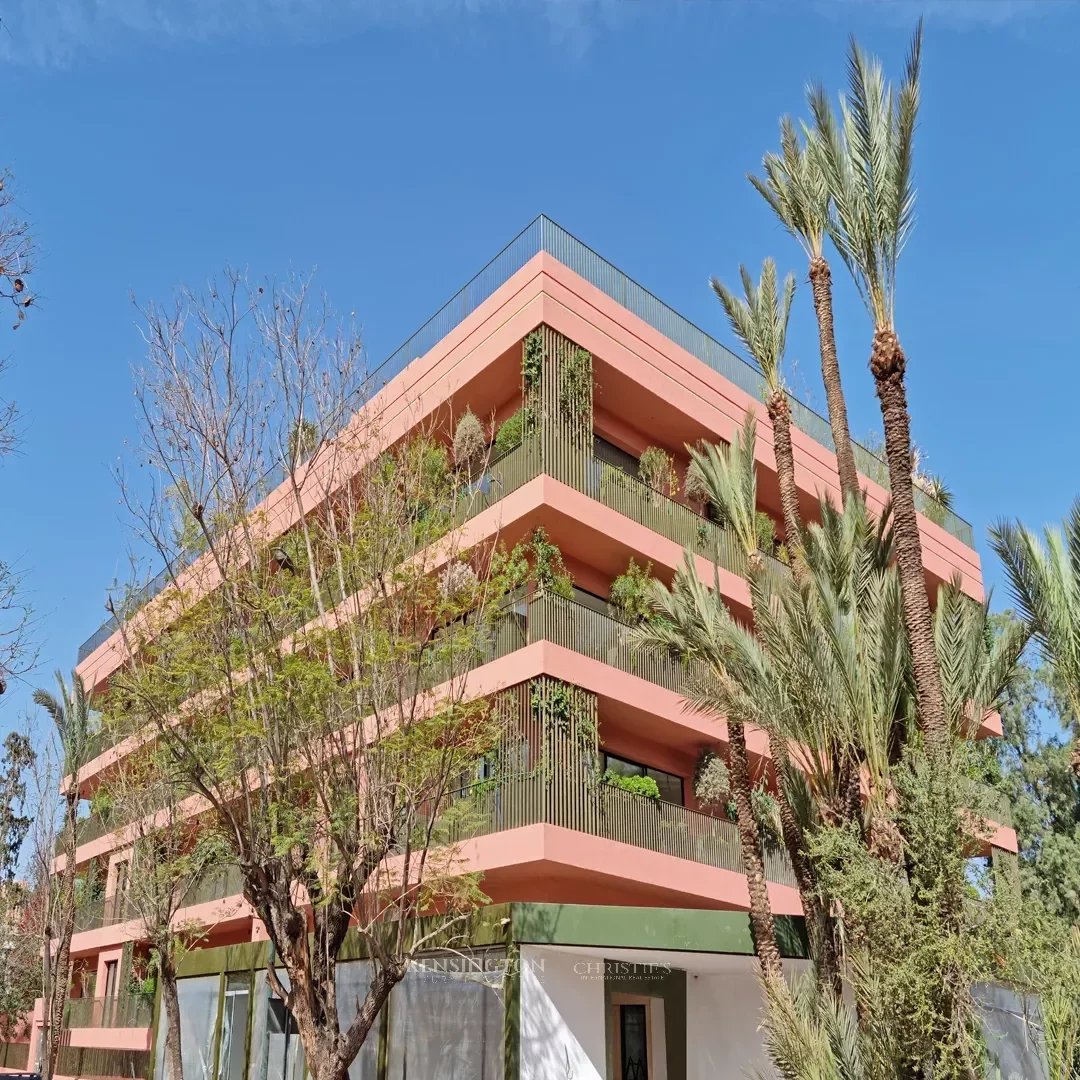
(603, 810)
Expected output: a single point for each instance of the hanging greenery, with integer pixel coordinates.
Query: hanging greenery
(532, 361)
(568, 714)
(576, 391)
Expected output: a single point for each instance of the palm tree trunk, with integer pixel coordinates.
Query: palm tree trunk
(780, 414)
(819, 924)
(821, 285)
(761, 916)
(887, 364)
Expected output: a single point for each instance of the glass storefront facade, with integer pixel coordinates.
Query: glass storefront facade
(444, 1021)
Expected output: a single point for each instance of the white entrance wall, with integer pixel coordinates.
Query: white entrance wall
(562, 1016)
(562, 1012)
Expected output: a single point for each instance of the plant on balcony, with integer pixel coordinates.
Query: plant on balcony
(509, 435)
(470, 443)
(656, 467)
(630, 593)
(548, 569)
(303, 442)
(645, 786)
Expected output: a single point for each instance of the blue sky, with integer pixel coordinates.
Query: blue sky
(396, 146)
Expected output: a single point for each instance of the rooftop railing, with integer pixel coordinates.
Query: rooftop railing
(544, 235)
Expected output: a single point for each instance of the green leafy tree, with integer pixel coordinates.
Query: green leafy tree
(1031, 764)
(165, 861)
(19, 984)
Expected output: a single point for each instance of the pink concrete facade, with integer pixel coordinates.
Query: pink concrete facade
(653, 393)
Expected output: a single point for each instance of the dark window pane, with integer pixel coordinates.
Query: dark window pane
(634, 1042)
(610, 453)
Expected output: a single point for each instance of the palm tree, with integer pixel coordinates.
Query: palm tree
(760, 322)
(796, 188)
(867, 158)
(1044, 580)
(692, 621)
(72, 714)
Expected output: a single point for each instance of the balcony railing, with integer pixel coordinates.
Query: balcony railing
(124, 1010)
(600, 809)
(14, 1055)
(108, 911)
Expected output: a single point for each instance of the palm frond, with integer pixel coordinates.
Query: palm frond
(760, 317)
(867, 158)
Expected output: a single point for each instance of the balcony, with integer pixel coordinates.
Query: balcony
(121, 1011)
(14, 1056)
(95, 913)
(600, 809)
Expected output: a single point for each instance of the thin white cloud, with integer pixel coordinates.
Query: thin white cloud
(957, 13)
(60, 32)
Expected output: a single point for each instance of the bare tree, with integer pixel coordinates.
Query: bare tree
(16, 256)
(306, 677)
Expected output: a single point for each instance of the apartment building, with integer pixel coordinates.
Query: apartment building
(616, 944)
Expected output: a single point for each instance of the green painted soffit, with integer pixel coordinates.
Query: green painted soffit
(604, 926)
(676, 929)
(487, 926)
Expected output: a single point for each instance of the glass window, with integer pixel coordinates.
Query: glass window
(198, 999)
(446, 1022)
(353, 980)
(276, 1050)
(633, 1042)
(110, 978)
(614, 455)
(670, 785)
(591, 601)
(234, 1025)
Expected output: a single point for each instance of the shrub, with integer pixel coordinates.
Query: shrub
(657, 469)
(548, 568)
(712, 781)
(765, 532)
(636, 785)
(629, 596)
(509, 433)
(470, 443)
